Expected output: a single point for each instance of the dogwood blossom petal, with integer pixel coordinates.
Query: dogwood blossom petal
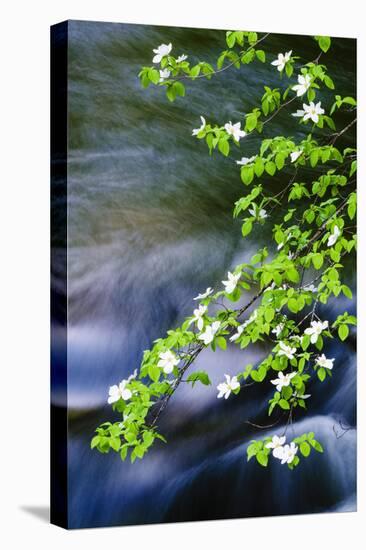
(209, 291)
(245, 160)
(281, 60)
(322, 361)
(234, 130)
(232, 281)
(334, 236)
(286, 350)
(198, 130)
(315, 330)
(304, 82)
(225, 388)
(209, 334)
(168, 360)
(295, 155)
(161, 51)
(164, 74)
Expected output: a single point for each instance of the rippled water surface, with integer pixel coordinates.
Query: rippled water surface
(149, 226)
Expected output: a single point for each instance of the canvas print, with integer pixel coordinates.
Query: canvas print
(203, 189)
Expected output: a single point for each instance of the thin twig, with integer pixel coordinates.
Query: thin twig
(183, 77)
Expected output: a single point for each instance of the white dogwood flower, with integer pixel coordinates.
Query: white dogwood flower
(132, 376)
(245, 160)
(168, 360)
(198, 316)
(303, 396)
(281, 245)
(209, 333)
(225, 388)
(322, 361)
(237, 334)
(234, 130)
(198, 130)
(303, 85)
(182, 58)
(286, 350)
(315, 330)
(161, 51)
(295, 155)
(283, 380)
(299, 113)
(232, 281)
(209, 291)
(334, 236)
(278, 329)
(261, 214)
(276, 445)
(119, 392)
(281, 60)
(251, 319)
(288, 453)
(164, 74)
(313, 111)
(311, 288)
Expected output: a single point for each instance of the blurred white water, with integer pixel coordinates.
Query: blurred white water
(149, 226)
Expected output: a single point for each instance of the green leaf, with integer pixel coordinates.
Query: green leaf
(292, 305)
(179, 89)
(324, 43)
(139, 451)
(316, 445)
(261, 55)
(248, 56)
(343, 332)
(246, 228)
(154, 372)
(317, 260)
(258, 167)
(305, 448)
(224, 146)
(292, 275)
(270, 168)
(251, 122)
(123, 453)
(269, 314)
(305, 342)
(199, 376)
(115, 443)
(353, 168)
(262, 458)
(154, 75)
(95, 441)
(221, 342)
(252, 450)
(171, 93)
(347, 292)
(247, 174)
(329, 82)
(321, 374)
(230, 39)
(284, 404)
(259, 375)
(314, 157)
(280, 160)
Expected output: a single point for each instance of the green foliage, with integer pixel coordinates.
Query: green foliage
(311, 238)
(324, 42)
(199, 377)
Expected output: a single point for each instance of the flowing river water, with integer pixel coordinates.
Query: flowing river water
(149, 226)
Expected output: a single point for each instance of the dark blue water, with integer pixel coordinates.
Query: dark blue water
(150, 225)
